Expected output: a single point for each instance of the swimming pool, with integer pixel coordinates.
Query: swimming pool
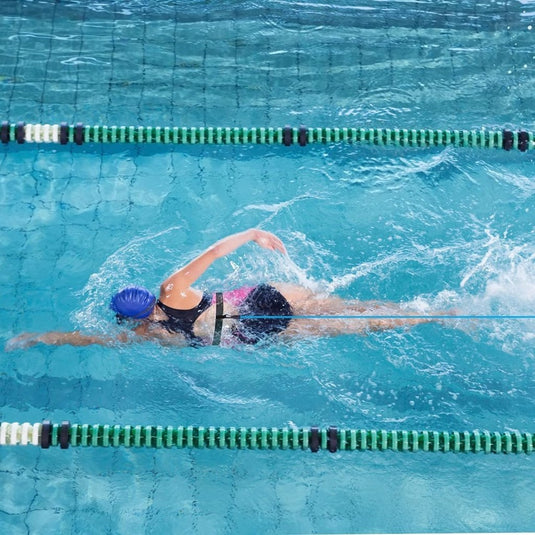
(434, 228)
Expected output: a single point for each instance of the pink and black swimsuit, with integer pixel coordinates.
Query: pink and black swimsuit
(258, 302)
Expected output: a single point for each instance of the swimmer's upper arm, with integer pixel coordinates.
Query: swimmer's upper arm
(186, 276)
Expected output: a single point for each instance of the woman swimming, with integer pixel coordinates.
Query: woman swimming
(183, 315)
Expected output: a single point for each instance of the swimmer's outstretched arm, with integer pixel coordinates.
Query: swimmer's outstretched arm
(182, 279)
(76, 338)
(59, 338)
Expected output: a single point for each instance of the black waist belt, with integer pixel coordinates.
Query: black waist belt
(218, 319)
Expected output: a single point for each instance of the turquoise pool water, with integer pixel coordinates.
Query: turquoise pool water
(430, 228)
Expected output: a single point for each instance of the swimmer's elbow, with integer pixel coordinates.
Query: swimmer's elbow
(74, 338)
(79, 339)
(216, 251)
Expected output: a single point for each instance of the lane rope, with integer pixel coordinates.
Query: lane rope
(80, 133)
(332, 439)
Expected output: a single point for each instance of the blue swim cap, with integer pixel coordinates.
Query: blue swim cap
(133, 302)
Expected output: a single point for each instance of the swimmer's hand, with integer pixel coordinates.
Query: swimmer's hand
(22, 341)
(267, 240)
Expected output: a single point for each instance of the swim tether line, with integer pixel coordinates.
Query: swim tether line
(332, 439)
(380, 317)
(80, 133)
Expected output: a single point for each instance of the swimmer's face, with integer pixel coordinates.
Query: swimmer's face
(127, 321)
(120, 319)
(131, 322)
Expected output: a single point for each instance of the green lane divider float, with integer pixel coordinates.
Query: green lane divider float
(394, 137)
(332, 439)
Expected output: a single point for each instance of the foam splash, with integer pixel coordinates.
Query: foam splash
(499, 285)
(361, 271)
(506, 272)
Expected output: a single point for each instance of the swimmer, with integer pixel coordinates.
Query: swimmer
(184, 316)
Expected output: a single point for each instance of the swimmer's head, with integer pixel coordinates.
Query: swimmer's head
(133, 302)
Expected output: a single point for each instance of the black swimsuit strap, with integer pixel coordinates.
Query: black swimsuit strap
(218, 319)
